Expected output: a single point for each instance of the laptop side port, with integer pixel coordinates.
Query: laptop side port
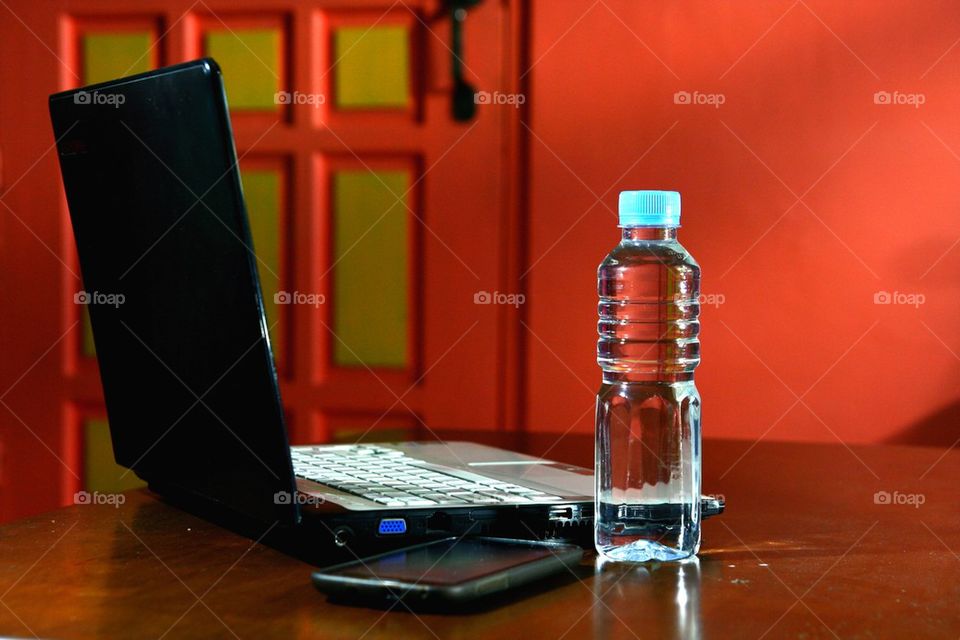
(392, 526)
(342, 536)
(439, 521)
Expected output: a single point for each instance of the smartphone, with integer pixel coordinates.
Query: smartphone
(450, 570)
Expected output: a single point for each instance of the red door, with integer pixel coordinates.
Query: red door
(378, 220)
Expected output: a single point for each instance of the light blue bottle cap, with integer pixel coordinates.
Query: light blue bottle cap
(649, 209)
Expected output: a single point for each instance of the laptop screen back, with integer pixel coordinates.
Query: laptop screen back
(170, 281)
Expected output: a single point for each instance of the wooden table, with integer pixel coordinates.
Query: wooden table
(807, 548)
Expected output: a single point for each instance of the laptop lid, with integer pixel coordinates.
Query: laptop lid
(170, 280)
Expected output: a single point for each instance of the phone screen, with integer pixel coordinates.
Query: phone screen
(447, 562)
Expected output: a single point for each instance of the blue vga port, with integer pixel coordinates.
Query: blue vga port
(392, 526)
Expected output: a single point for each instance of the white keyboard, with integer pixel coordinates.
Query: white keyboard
(391, 478)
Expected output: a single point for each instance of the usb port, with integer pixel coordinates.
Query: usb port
(392, 526)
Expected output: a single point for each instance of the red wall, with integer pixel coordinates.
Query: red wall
(798, 350)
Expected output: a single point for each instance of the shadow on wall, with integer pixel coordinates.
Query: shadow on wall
(939, 429)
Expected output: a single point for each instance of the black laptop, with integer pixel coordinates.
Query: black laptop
(151, 179)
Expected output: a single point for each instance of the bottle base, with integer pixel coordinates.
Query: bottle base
(642, 551)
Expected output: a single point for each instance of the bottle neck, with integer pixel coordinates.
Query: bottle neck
(647, 234)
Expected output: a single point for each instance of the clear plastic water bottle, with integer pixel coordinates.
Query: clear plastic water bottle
(648, 408)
